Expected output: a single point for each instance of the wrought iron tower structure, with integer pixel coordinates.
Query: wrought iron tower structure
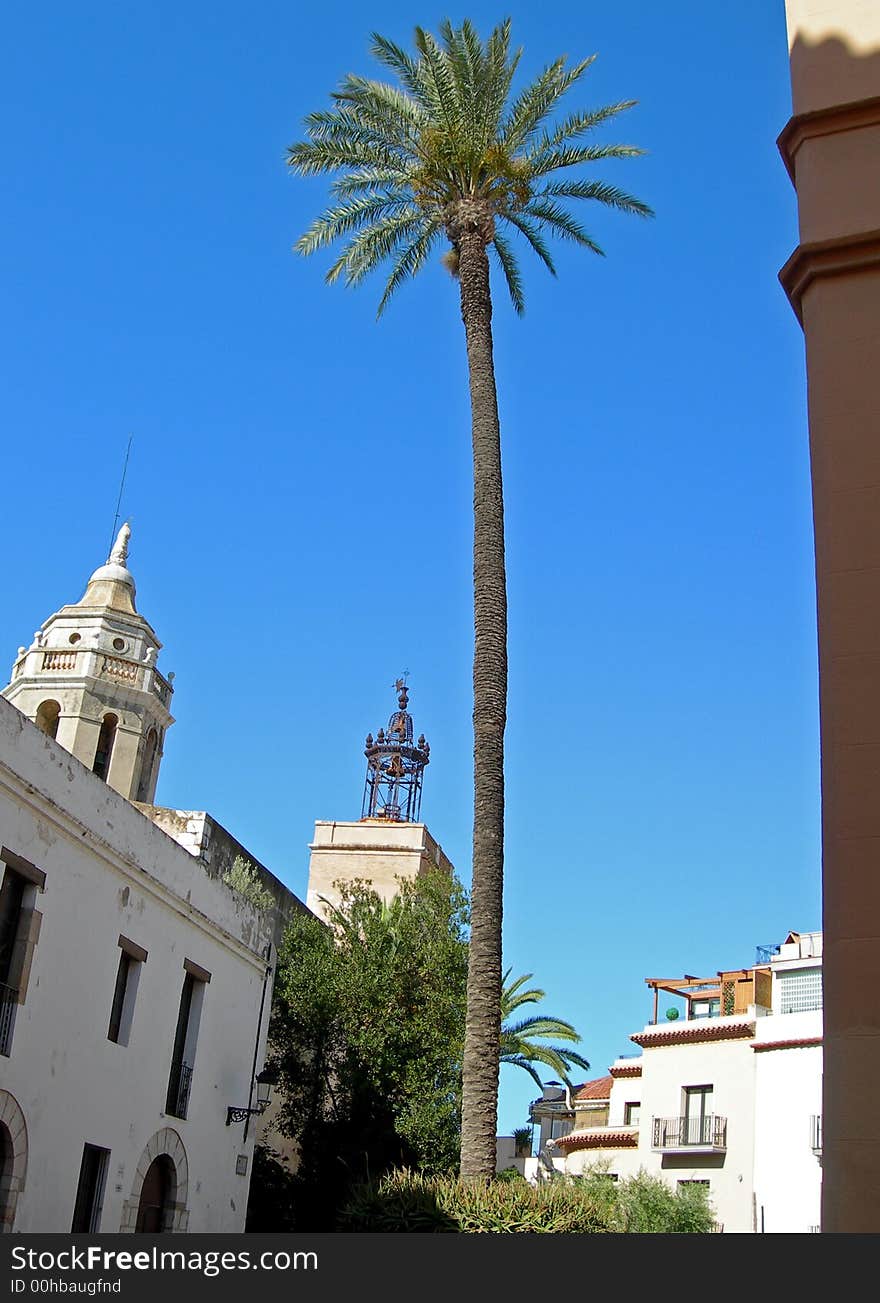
(395, 765)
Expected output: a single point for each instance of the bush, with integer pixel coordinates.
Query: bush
(406, 1202)
(646, 1205)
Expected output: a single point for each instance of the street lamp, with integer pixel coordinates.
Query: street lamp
(264, 1082)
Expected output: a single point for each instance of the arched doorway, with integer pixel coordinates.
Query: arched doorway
(159, 1190)
(158, 1196)
(6, 1164)
(13, 1158)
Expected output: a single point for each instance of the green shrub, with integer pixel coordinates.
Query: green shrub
(647, 1205)
(407, 1202)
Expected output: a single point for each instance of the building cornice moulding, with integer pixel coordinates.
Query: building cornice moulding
(824, 122)
(839, 256)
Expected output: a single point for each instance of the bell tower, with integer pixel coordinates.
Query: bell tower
(388, 842)
(89, 679)
(395, 765)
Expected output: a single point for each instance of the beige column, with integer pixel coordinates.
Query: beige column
(831, 148)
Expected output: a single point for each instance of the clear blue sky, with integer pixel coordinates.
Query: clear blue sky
(299, 484)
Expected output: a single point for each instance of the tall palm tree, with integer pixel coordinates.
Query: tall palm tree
(521, 1041)
(450, 154)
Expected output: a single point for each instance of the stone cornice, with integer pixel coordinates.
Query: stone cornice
(839, 256)
(824, 122)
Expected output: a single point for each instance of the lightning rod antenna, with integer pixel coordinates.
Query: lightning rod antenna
(121, 487)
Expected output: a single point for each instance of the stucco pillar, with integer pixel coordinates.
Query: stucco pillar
(831, 147)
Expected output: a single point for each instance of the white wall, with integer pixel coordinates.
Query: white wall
(788, 1092)
(110, 871)
(728, 1066)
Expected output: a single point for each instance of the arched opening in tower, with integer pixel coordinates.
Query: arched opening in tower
(48, 714)
(106, 738)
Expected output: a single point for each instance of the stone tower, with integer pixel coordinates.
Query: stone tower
(89, 680)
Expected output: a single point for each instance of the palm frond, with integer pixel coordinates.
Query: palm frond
(605, 194)
(538, 100)
(543, 161)
(511, 995)
(542, 1025)
(348, 217)
(561, 223)
(312, 157)
(519, 1061)
(578, 124)
(438, 76)
(534, 237)
(391, 113)
(508, 264)
(364, 179)
(393, 56)
(379, 241)
(500, 69)
(410, 261)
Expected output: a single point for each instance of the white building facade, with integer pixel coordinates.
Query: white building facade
(727, 1097)
(135, 984)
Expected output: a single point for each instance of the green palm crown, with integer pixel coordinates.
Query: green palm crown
(521, 1042)
(449, 144)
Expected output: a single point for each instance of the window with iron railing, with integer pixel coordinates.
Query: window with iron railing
(8, 1002)
(183, 1055)
(179, 1082)
(19, 930)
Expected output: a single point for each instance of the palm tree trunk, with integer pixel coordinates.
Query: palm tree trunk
(483, 1025)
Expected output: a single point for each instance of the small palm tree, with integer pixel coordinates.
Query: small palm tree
(450, 155)
(521, 1041)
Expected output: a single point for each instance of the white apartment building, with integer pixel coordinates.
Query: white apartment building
(135, 983)
(726, 1092)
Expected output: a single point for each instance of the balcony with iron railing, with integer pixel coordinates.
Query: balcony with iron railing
(179, 1084)
(8, 1001)
(690, 1135)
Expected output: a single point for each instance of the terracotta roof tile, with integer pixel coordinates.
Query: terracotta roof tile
(598, 1089)
(626, 1070)
(599, 1138)
(805, 1042)
(705, 1029)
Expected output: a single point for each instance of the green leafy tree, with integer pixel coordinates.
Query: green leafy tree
(366, 1035)
(449, 154)
(522, 1040)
